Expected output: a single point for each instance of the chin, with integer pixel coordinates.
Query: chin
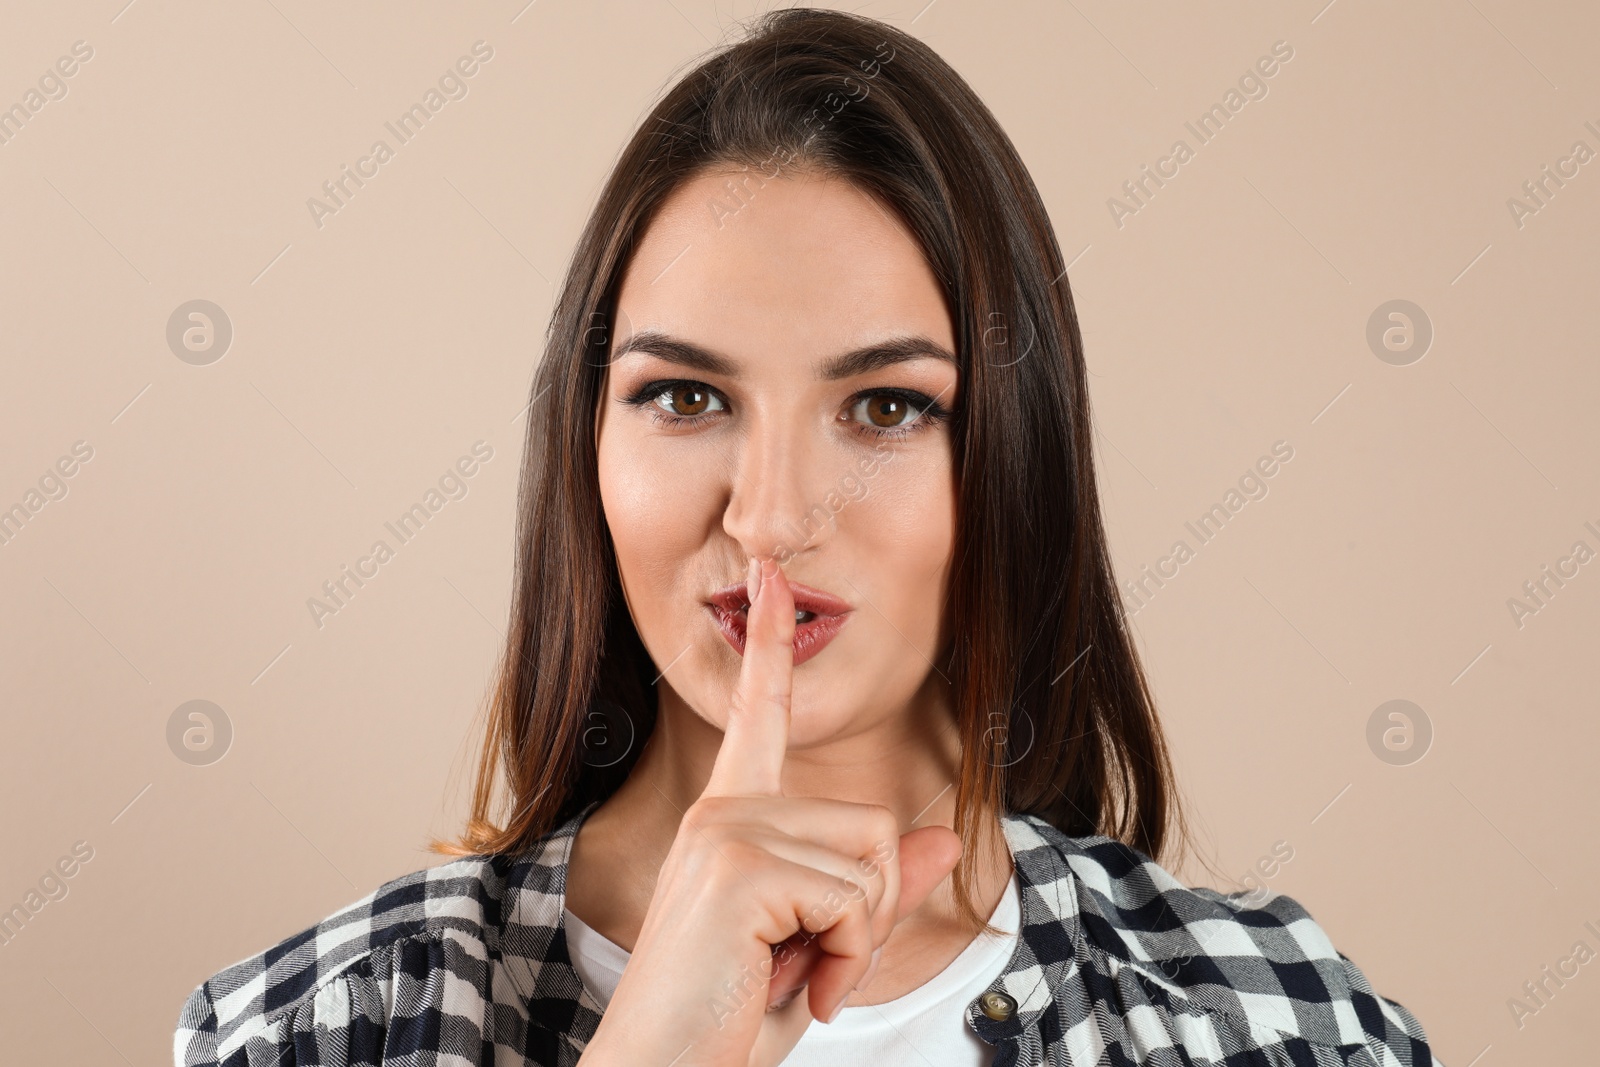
(813, 721)
(821, 703)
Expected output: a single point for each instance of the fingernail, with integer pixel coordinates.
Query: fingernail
(785, 1000)
(752, 580)
(836, 1010)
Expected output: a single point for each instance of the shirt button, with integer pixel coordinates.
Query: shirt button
(997, 1006)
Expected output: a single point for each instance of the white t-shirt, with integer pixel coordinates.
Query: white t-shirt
(926, 1026)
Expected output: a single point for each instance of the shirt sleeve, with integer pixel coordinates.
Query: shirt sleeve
(1394, 1036)
(194, 1044)
(393, 1005)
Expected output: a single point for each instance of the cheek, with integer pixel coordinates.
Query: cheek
(905, 527)
(658, 517)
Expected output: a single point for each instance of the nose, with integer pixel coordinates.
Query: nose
(778, 504)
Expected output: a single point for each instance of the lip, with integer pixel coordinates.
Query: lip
(811, 637)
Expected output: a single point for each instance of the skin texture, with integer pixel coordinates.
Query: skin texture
(713, 826)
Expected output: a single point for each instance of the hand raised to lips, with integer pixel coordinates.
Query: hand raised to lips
(750, 762)
(763, 896)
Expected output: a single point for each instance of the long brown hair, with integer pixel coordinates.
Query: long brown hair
(1055, 715)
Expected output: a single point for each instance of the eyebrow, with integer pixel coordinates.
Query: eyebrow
(862, 360)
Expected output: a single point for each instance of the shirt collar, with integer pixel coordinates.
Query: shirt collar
(1086, 902)
(1050, 943)
(1097, 903)
(534, 948)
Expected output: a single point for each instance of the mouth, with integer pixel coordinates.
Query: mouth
(818, 617)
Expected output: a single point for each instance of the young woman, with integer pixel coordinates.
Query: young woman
(822, 736)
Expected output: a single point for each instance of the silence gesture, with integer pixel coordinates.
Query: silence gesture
(769, 910)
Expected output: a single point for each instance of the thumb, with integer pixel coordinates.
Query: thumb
(927, 855)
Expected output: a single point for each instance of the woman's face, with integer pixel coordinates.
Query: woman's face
(748, 412)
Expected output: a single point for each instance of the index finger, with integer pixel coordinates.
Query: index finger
(750, 761)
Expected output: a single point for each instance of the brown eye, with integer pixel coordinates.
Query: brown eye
(886, 411)
(687, 400)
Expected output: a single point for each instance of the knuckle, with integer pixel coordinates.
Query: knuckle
(829, 905)
(771, 699)
(887, 850)
(695, 816)
(742, 855)
(857, 889)
(816, 916)
(705, 814)
(753, 698)
(883, 826)
(861, 904)
(877, 886)
(856, 900)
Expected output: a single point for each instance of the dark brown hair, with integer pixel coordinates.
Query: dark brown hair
(1055, 715)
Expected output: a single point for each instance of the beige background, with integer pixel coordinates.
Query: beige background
(368, 354)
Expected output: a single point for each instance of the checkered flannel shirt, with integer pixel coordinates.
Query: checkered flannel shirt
(1118, 963)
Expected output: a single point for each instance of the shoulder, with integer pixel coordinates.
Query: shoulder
(1261, 962)
(427, 949)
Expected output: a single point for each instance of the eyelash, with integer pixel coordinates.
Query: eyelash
(931, 411)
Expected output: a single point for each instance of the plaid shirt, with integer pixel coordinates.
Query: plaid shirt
(1118, 963)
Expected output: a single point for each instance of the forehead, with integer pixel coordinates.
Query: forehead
(800, 267)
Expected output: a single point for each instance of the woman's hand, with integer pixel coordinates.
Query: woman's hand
(769, 910)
